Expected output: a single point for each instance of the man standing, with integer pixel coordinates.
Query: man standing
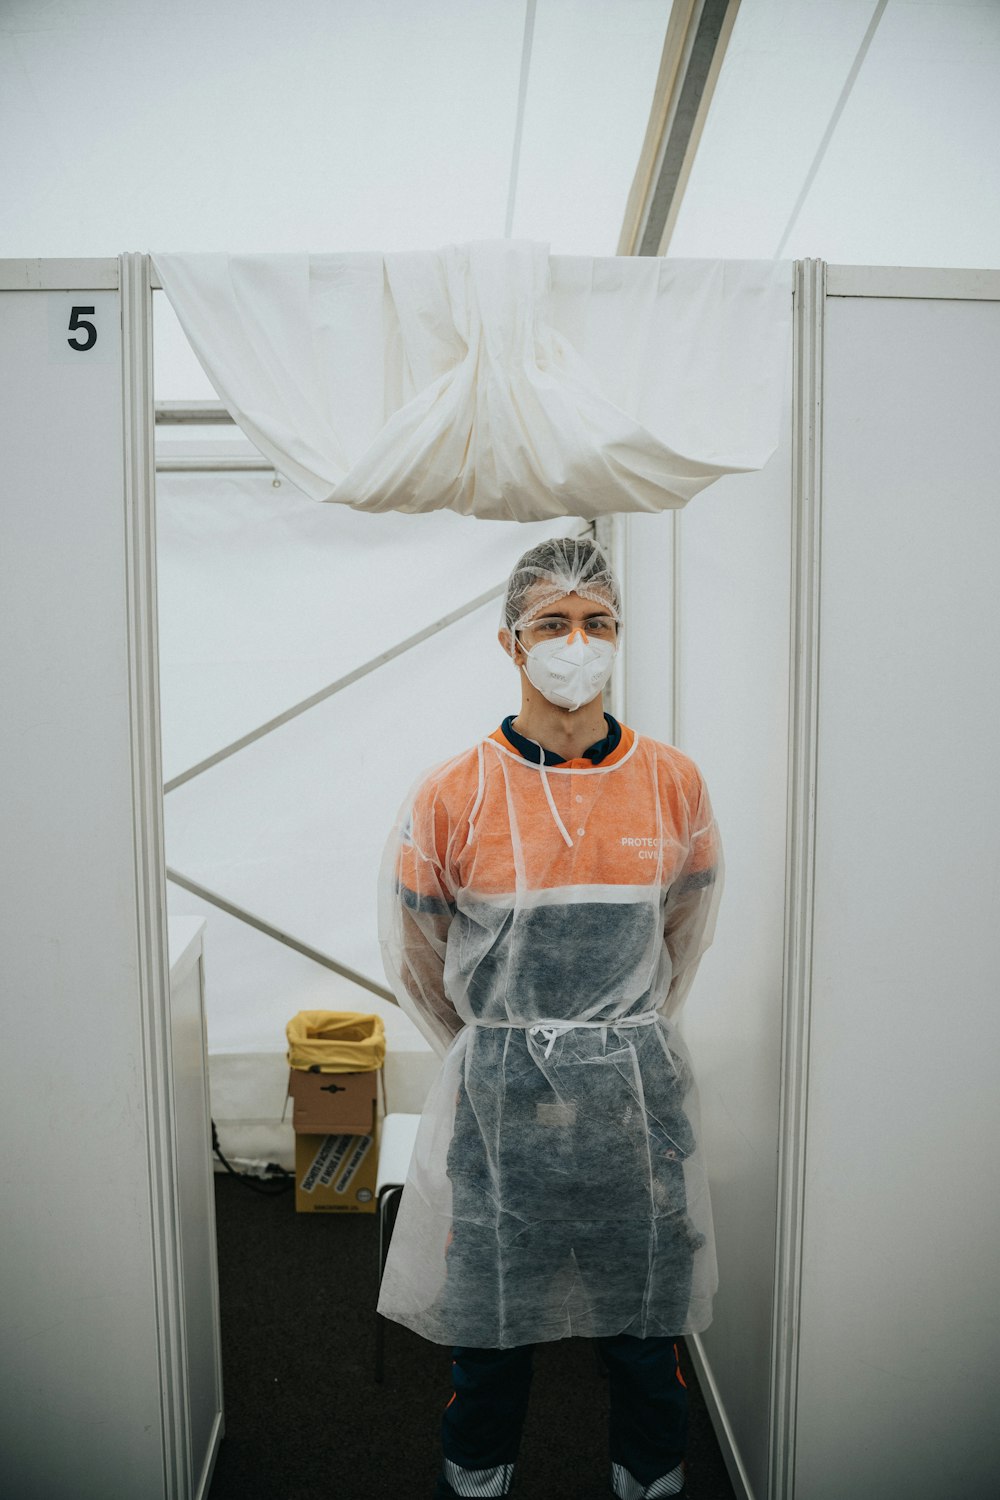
(545, 901)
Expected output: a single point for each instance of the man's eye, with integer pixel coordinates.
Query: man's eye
(601, 626)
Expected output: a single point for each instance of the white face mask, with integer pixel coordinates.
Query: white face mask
(570, 670)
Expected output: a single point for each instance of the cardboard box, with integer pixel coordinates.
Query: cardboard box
(332, 1103)
(335, 1174)
(335, 1119)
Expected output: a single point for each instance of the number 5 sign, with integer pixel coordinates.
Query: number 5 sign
(83, 328)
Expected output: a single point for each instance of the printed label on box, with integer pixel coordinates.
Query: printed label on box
(357, 1156)
(333, 1165)
(319, 1161)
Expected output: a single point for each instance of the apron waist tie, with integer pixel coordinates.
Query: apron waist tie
(552, 1029)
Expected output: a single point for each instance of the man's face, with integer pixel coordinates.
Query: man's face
(559, 618)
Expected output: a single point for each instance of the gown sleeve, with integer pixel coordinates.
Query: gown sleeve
(693, 900)
(416, 909)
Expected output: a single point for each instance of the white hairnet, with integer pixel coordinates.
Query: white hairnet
(563, 565)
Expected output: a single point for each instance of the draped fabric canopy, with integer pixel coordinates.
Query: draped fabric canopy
(491, 378)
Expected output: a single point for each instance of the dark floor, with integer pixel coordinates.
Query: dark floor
(305, 1417)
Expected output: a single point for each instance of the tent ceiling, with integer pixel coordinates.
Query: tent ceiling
(390, 125)
(854, 130)
(385, 125)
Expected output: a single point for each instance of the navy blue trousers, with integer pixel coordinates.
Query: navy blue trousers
(482, 1422)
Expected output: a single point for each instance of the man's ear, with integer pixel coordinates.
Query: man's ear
(508, 641)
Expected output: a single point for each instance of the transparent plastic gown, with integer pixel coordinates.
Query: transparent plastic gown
(542, 926)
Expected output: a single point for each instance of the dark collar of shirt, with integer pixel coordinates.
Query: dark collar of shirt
(594, 753)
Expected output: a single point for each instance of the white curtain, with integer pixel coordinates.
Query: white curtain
(491, 378)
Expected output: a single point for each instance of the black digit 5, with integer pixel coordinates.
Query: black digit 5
(77, 323)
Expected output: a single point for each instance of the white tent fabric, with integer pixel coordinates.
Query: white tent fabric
(264, 599)
(490, 378)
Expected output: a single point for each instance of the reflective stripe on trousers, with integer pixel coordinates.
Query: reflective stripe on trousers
(495, 1481)
(625, 1486)
(498, 1480)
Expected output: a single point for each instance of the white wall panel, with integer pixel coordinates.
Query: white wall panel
(79, 1387)
(901, 1282)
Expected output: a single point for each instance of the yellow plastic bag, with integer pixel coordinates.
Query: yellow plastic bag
(336, 1041)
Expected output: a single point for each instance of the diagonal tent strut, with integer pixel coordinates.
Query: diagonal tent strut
(269, 930)
(334, 687)
(342, 682)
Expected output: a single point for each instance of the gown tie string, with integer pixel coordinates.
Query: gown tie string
(551, 1029)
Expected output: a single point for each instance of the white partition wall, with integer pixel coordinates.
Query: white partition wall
(104, 1250)
(835, 630)
(900, 1275)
